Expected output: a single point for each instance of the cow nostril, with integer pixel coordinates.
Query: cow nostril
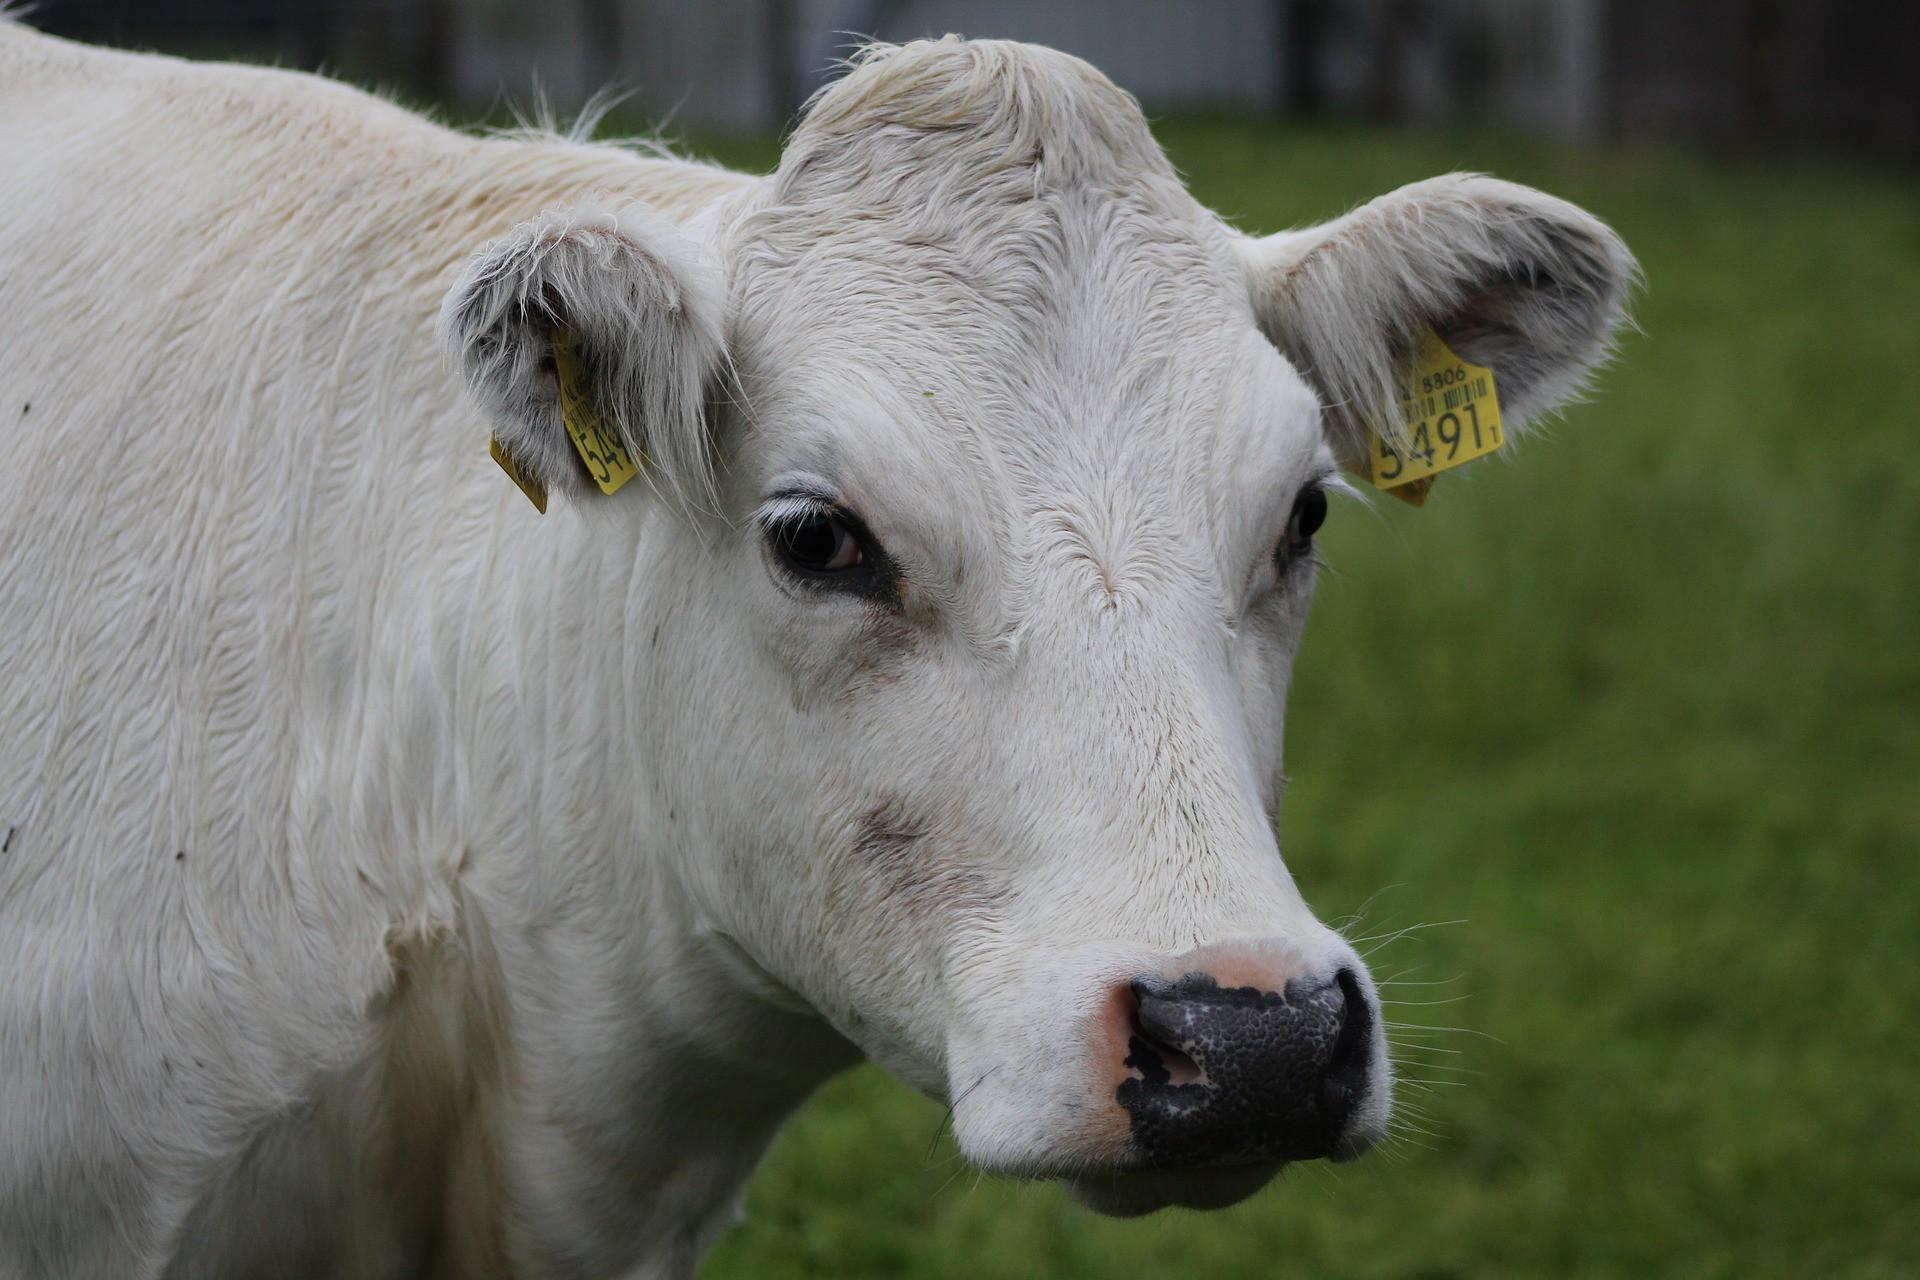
(1345, 1077)
(1174, 1067)
(1152, 1052)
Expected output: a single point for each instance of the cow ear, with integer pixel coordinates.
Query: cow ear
(1509, 277)
(640, 304)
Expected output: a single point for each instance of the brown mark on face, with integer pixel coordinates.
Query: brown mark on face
(886, 644)
(898, 851)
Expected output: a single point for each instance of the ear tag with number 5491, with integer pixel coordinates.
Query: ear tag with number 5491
(1453, 417)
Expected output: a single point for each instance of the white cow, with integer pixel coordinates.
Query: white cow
(398, 882)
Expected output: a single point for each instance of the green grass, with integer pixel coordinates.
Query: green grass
(1636, 703)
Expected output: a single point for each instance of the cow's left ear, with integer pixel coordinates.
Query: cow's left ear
(641, 304)
(1509, 277)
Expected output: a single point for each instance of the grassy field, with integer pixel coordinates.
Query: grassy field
(1637, 706)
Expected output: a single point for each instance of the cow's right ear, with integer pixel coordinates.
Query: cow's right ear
(639, 302)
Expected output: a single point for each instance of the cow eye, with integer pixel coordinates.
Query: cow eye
(1309, 513)
(818, 545)
(824, 545)
(812, 539)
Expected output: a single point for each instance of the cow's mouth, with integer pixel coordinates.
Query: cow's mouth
(1131, 1194)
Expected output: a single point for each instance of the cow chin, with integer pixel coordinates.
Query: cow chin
(1130, 1195)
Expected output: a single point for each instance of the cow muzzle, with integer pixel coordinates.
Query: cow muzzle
(1184, 1080)
(1231, 1062)
(1235, 1075)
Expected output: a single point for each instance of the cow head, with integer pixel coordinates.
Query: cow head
(999, 464)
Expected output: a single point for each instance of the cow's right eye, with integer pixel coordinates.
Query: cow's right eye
(821, 545)
(825, 546)
(813, 540)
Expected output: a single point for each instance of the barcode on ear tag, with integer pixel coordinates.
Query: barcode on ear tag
(535, 491)
(597, 443)
(1452, 418)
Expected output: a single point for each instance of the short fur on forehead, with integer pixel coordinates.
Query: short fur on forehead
(985, 105)
(989, 201)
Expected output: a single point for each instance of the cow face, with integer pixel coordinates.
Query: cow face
(970, 705)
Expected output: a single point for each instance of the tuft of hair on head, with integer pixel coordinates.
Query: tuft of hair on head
(1023, 100)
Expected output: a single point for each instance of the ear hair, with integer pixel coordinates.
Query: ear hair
(644, 304)
(1512, 278)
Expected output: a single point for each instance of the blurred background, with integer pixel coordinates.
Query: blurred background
(1608, 753)
(1812, 73)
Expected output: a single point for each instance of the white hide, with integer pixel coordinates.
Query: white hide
(397, 882)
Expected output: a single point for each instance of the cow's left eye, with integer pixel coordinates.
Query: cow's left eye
(1309, 513)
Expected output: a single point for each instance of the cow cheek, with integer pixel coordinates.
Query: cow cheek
(898, 901)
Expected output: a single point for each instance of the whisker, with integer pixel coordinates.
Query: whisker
(1418, 1121)
(952, 1178)
(1360, 913)
(1427, 1026)
(946, 1122)
(1400, 980)
(1412, 928)
(1388, 939)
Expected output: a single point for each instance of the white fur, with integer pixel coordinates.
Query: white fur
(398, 879)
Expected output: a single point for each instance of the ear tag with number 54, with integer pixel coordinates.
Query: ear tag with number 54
(1452, 417)
(594, 439)
(598, 443)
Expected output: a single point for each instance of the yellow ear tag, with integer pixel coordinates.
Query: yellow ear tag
(1453, 417)
(596, 441)
(535, 491)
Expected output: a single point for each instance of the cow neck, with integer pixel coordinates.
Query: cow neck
(651, 1063)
